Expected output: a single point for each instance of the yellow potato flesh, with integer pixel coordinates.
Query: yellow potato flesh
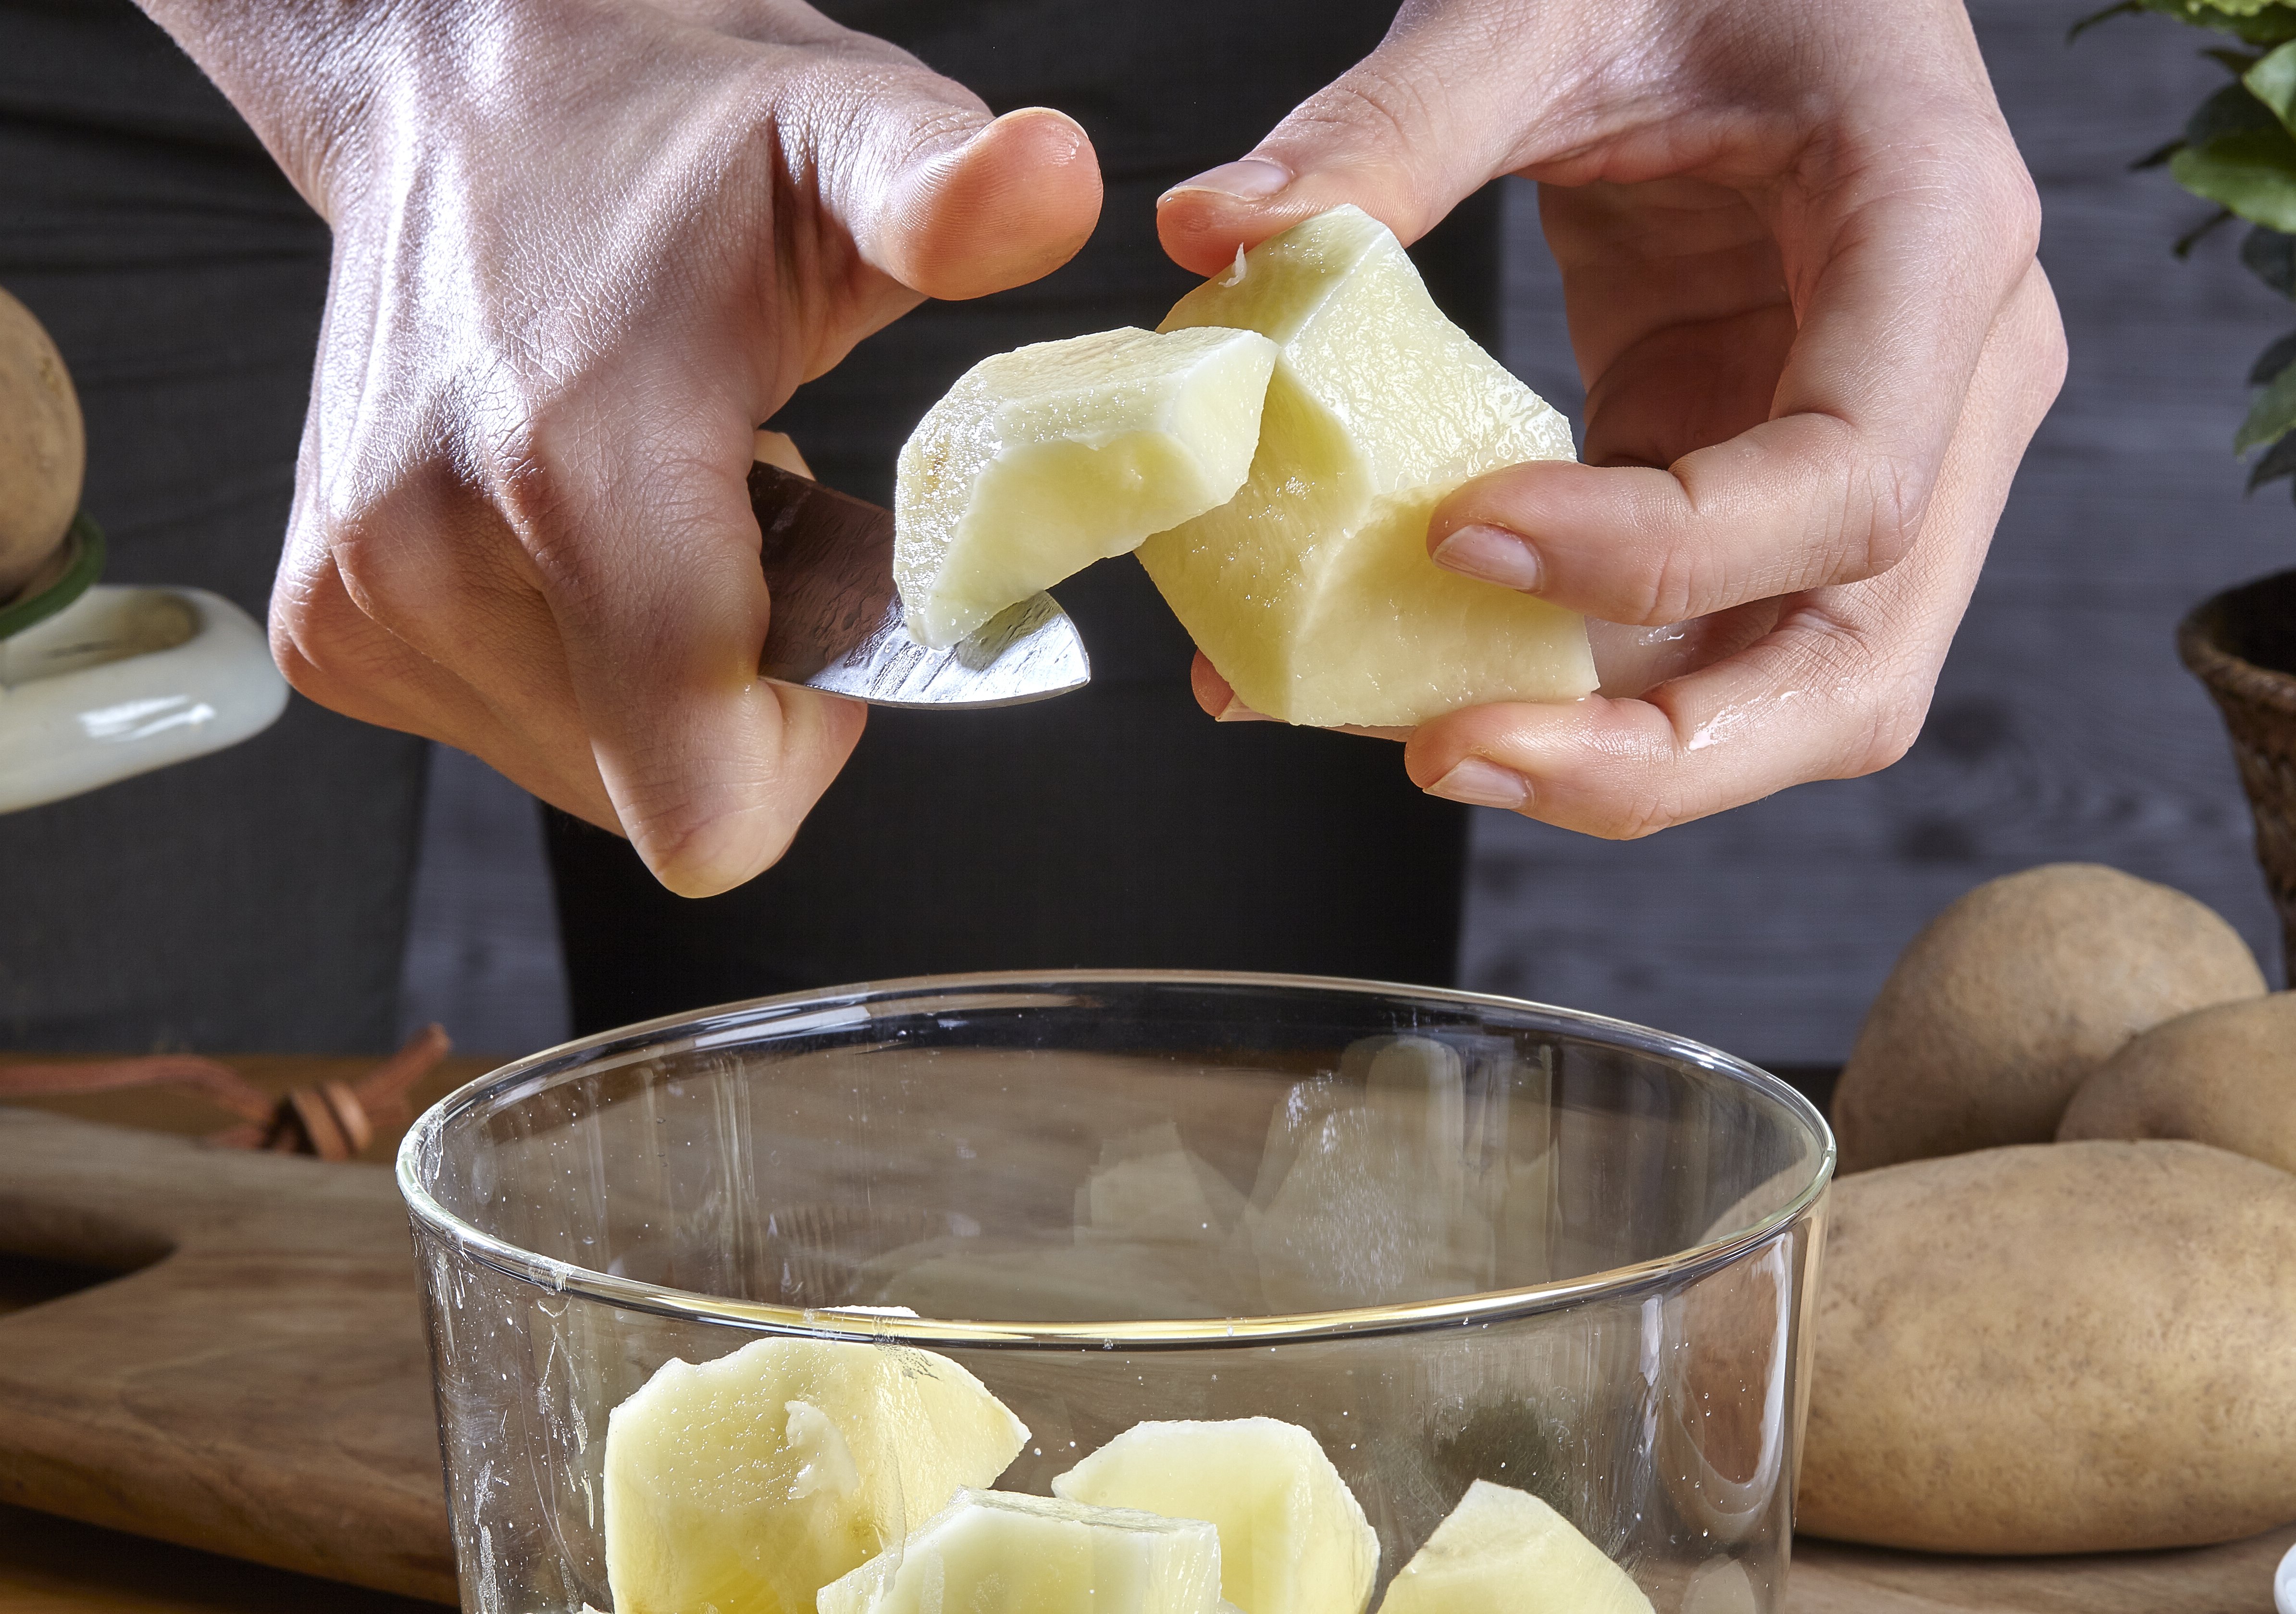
(747, 1484)
(989, 1553)
(1043, 460)
(1292, 1538)
(1503, 1551)
(1311, 591)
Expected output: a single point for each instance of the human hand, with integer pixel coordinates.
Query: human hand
(1797, 247)
(581, 251)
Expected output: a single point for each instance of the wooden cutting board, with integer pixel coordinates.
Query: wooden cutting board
(258, 1384)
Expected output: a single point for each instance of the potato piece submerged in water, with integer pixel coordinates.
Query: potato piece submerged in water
(2062, 1347)
(1312, 590)
(1043, 460)
(1292, 1538)
(1503, 1551)
(749, 1483)
(2007, 1000)
(990, 1553)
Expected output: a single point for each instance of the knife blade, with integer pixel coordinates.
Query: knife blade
(837, 624)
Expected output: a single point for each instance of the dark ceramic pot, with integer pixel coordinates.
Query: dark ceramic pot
(2242, 643)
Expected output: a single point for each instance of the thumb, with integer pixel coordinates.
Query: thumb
(974, 205)
(1424, 120)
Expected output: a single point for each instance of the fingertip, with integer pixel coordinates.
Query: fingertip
(1211, 691)
(1009, 206)
(1202, 222)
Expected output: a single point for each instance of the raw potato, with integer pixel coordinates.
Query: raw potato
(990, 1553)
(2225, 1076)
(1293, 1540)
(43, 447)
(1503, 1551)
(1043, 460)
(2072, 1348)
(747, 1484)
(1312, 591)
(2009, 998)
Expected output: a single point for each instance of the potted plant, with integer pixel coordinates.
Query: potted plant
(2238, 153)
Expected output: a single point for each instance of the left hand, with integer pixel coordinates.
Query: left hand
(1798, 253)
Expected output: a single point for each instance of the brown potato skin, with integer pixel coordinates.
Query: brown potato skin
(2069, 1347)
(2009, 998)
(43, 447)
(2224, 1076)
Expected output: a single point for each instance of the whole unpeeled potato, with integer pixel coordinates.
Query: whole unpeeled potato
(43, 448)
(2011, 996)
(2071, 1348)
(2225, 1076)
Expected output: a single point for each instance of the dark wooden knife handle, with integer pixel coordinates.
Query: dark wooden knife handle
(828, 561)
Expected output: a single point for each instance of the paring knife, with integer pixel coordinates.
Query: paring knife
(837, 625)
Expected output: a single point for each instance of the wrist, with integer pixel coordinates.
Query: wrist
(310, 77)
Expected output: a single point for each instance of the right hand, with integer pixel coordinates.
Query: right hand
(581, 251)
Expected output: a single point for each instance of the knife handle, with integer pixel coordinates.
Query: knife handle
(828, 562)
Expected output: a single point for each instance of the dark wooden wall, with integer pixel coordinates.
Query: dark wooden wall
(2063, 727)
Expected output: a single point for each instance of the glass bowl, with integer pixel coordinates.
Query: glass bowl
(1456, 1237)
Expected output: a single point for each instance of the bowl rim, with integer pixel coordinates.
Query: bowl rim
(729, 1023)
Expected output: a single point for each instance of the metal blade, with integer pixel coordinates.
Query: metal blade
(837, 626)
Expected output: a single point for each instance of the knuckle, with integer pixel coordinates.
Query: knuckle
(1674, 588)
(1888, 722)
(1878, 708)
(1895, 495)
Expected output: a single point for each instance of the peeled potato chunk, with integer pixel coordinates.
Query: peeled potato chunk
(1312, 591)
(1502, 1550)
(747, 1484)
(1292, 1538)
(994, 1553)
(1043, 460)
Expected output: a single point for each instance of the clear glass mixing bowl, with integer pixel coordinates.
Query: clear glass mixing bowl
(1456, 1237)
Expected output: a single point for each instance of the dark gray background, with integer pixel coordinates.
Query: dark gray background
(2063, 728)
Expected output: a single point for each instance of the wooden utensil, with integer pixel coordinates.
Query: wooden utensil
(256, 1382)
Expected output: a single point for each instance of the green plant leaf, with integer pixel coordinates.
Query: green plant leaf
(2270, 416)
(2253, 21)
(2270, 256)
(2273, 81)
(2251, 173)
(2268, 25)
(2233, 110)
(2273, 360)
(2278, 461)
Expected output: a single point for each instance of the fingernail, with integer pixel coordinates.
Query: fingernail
(1247, 179)
(1236, 711)
(1481, 783)
(1491, 553)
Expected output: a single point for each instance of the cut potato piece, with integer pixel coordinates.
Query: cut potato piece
(1044, 460)
(1311, 591)
(1505, 1551)
(1292, 1538)
(1149, 1188)
(747, 1484)
(995, 1553)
